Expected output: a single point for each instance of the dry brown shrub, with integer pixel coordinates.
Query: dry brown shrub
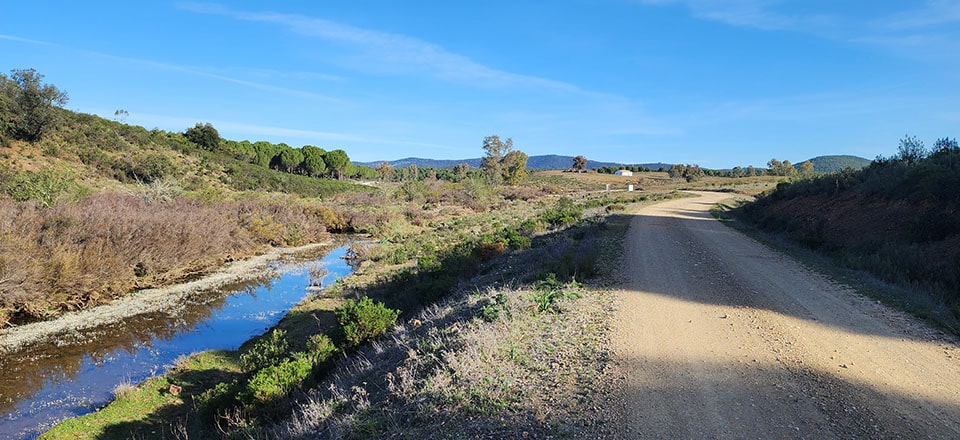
(74, 255)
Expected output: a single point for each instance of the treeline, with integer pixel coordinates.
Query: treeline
(633, 168)
(898, 218)
(693, 172)
(308, 160)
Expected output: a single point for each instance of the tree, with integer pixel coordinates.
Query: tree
(806, 168)
(264, 152)
(313, 161)
(677, 171)
(777, 168)
(751, 171)
(385, 171)
(121, 115)
(492, 163)
(412, 172)
(514, 167)
(289, 160)
(29, 108)
(693, 173)
(579, 164)
(461, 171)
(337, 161)
(204, 135)
(945, 144)
(911, 150)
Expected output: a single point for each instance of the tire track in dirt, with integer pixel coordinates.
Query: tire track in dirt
(719, 337)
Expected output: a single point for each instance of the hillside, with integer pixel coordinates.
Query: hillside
(898, 219)
(832, 164)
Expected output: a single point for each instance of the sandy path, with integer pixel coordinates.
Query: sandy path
(719, 337)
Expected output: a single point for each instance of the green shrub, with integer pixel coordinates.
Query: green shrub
(152, 168)
(319, 348)
(531, 226)
(218, 399)
(398, 256)
(276, 381)
(493, 308)
(549, 290)
(267, 351)
(616, 207)
(365, 319)
(515, 240)
(45, 186)
(565, 212)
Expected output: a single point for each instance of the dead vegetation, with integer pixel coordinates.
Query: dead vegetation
(75, 255)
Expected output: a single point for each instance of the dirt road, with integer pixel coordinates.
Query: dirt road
(719, 337)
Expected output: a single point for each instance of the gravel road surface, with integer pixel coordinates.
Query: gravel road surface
(718, 336)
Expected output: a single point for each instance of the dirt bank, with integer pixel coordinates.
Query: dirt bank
(720, 337)
(144, 301)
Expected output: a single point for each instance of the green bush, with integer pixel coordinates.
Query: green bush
(45, 186)
(152, 168)
(515, 240)
(319, 348)
(549, 290)
(365, 319)
(276, 381)
(564, 213)
(493, 307)
(218, 399)
(267, 351)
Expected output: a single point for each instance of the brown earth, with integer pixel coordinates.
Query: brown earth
(720, 337)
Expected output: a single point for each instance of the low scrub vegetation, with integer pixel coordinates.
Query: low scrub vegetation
(101, 247)
(301, 365)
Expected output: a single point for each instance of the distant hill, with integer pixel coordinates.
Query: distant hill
(831, 164)
(543, 162)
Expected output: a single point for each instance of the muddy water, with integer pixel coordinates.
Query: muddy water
(77, 373)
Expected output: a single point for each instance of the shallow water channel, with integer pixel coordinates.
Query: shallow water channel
(47, 383)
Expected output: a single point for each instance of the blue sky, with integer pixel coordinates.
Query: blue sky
(714, 82)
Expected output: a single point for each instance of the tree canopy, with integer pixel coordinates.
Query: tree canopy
(580, 163)
(204, 135)
(337, 161)
(502, 163)
(314, 163)
(28, 108)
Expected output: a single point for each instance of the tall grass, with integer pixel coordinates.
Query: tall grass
(71, 256)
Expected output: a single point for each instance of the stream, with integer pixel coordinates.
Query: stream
(46, 383)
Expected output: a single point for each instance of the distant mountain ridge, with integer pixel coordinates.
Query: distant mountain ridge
(821, 164)
(542, 162)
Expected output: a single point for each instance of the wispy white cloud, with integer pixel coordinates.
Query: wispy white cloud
(758, 14)
(25, 40)
(384, 53)
(207, 73)
(930, 13)
(391, 53)
(922, 30)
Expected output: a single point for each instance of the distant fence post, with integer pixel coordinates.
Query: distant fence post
(630, 188)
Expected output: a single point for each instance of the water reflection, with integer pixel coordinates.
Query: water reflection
(75, 375)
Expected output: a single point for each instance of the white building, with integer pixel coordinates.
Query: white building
(624, 173)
